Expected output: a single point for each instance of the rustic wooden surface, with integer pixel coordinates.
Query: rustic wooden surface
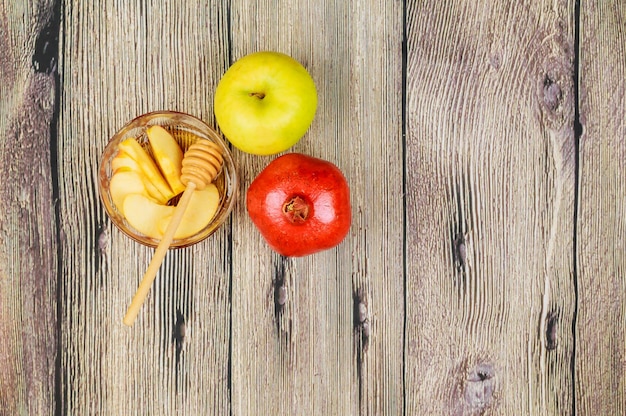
(485, 146)
(491, 108)
(29, 256)
(600, 321)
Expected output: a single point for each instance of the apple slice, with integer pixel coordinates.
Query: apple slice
(124, 183)
(152, 219)
(152, 190)
(145, 215)
(168, 156)
(123, 162)
(147, 165)
(201, 209)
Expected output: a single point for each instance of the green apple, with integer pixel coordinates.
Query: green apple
(265, 102)
(151, 218)
(168, 155)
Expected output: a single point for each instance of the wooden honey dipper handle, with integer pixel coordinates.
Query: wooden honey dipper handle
(201, 164)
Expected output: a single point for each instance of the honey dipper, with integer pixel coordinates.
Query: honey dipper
(201, 164)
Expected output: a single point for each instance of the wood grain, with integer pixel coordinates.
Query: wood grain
(312, 355)
(600, 363)
(28, 235)
(490, 207)
(120, 60)
(484, 273)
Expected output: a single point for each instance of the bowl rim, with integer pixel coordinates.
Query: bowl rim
(228, 198)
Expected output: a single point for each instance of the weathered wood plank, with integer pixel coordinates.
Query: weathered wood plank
(600, 365)
(122, 59)
(310, 355)
(498, 309)
(28, 234)
(490, 207)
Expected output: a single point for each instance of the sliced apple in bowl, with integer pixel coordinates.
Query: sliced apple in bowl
(203, 206)
(151, 218)
(168, 155)
(122, 162)
(147, 165)
(124, 183)
(141, 187)
(140, 180)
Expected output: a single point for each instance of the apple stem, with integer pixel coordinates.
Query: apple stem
(296, 209)
(259, 95)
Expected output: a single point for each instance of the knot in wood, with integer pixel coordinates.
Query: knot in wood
(201, 164)
(552, 321)
(103, 239)
(44, 58)
(552, 94)
(460, 249)
(281, 295)
(480, 386)
(556, 94)
(362, 312)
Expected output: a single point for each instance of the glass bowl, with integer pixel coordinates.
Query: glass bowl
(186, 129)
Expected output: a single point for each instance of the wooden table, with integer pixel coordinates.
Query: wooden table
(484, 273)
